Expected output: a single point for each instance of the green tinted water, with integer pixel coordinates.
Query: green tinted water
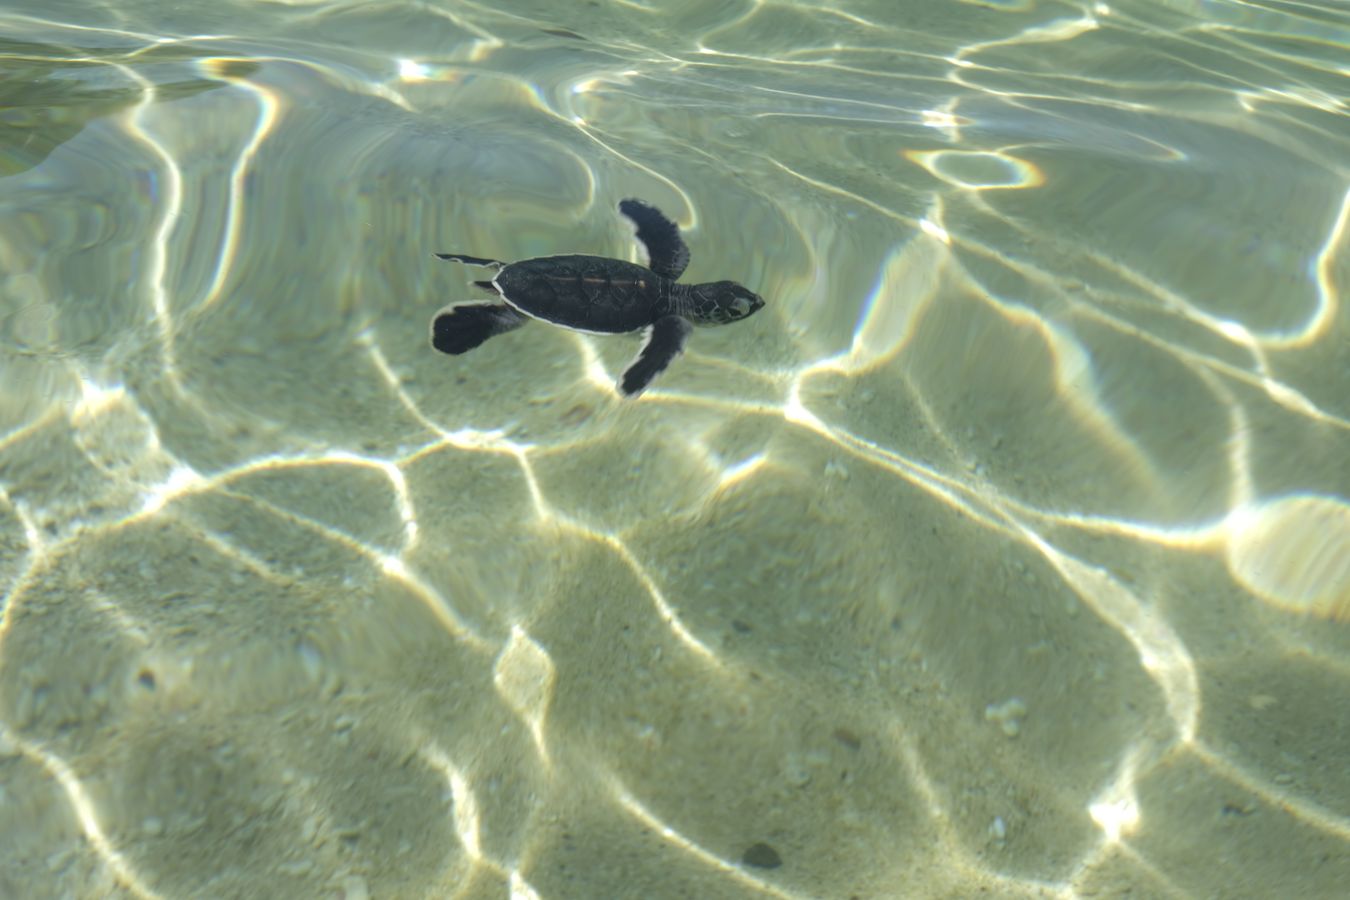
(1003, 553)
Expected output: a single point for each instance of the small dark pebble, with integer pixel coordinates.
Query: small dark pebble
(740, 626)
(146, 679)
(762, 856)
(848, 739)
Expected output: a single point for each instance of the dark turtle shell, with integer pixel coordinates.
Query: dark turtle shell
(588, 293)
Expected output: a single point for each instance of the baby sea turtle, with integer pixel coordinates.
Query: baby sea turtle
(600, 296)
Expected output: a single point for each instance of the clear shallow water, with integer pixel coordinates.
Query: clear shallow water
(1004, 551)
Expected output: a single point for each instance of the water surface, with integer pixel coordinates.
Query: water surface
(1004, 553)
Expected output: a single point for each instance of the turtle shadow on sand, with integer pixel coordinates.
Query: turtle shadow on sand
(598, 295)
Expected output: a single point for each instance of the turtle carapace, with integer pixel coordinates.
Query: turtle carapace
(599, 295)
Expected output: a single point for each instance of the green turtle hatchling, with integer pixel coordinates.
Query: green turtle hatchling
(599, 295)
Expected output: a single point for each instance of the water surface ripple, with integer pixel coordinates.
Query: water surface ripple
(1006, 552)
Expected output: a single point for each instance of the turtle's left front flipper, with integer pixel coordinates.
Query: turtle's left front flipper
(666, 252)
(665, 341)
(461, 327)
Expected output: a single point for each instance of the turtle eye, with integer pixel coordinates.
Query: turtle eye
(740, 307)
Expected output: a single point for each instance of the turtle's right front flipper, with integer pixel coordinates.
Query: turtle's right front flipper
(459, 328)
(470, 260)
(664, 341)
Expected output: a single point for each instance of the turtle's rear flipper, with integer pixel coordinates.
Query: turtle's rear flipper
(458, 329)
(470, 260)
(665, 341)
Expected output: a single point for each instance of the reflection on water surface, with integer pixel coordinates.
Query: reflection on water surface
(1003, 552)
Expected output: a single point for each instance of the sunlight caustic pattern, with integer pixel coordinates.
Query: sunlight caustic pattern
(1006, 551)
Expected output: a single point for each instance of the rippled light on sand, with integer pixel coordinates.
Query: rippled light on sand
(1294, 552)
(458, 526)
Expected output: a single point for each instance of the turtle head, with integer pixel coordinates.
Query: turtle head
(720, 302)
